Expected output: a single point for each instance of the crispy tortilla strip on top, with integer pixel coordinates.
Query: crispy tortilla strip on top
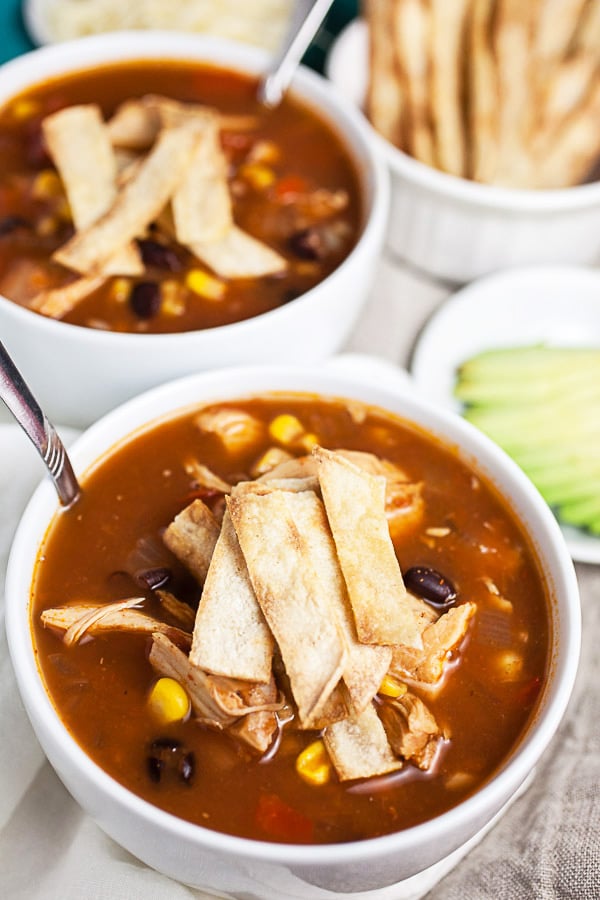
(439, 639)
(365, 664)
(139, 202)
(410, 29)
(411, 729)
(556, 25)
(288, 591)
(258, 729)
(192, 536)
(57, 302)
(385, 96)
(575, 147)
(238, 255)
(231, 636)
(447, 54)
(201, 205)
(80, 148)
(113, 617)
(355, 505)
(359, 748)
(483, 120)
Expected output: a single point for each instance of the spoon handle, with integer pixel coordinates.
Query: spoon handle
(26, 410)
(302, 31)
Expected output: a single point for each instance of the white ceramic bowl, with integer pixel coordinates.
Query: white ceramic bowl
(245, 868)
(80, 373)
(456, 229)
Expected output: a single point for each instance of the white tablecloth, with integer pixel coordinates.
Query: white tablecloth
(546, 846)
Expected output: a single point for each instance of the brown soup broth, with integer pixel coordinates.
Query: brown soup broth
(100, 686)
(309, 154)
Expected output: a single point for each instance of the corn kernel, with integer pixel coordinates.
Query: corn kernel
(258, 175)
(205, 285)
(389, 687)
(309, 441)
(313, 765)
(47, 184)
(286, 429)
(168, 701)
(120, 290)
(25, 108)
(264, 152)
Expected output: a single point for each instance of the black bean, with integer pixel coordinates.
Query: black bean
(153, 578)
(145, 299)
(8, 224)
(169, 756)
(159, 255)
(307, 244)
(431, 585)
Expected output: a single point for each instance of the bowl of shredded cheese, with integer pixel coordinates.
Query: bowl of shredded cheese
(262, 23)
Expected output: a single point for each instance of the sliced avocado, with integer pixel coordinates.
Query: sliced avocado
(542, 405)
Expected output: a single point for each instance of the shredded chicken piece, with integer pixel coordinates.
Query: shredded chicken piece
(216, 701)
(439, 639)
(181, 611)
(258, 729)
(235, 428)
(411, 729)
(205, 477)
(76, 621)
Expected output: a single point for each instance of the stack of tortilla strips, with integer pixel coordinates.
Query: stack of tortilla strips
(155, 160)
(300, 575)
(504, 92)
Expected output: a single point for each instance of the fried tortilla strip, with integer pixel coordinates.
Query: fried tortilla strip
(411, 729)
(556, 25)
(483, 93)
(57, 302)
(216, 701)
(138, 203)
(201, 205)
(258, 729)
(410, 34)
(564, 92)
(238, 255)
(512, 41)
(192, 536)
(80, 148)
(288, 590)
(355, 505)
(359, 748)
(112, 617)
(447, 52)
(575, 147)
(231, 636)
(439, 639)
(366, 664)
(588, 32)
(385, 96)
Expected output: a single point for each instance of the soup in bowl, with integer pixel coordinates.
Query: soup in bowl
(156, 218)
(300, 634)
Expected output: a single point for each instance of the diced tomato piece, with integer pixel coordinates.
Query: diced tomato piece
(289, 187)
(278, 820)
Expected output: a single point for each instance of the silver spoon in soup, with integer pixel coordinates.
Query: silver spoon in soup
(22, 404)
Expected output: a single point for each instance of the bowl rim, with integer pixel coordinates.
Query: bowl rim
(177, 395)
(468, 192)
(307, 87)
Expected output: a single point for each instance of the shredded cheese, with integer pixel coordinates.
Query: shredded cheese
(262, 22)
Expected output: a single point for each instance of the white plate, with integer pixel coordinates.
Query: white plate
(557, 305)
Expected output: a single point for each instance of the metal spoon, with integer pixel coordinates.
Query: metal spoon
(305, 25)
(38, 429)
